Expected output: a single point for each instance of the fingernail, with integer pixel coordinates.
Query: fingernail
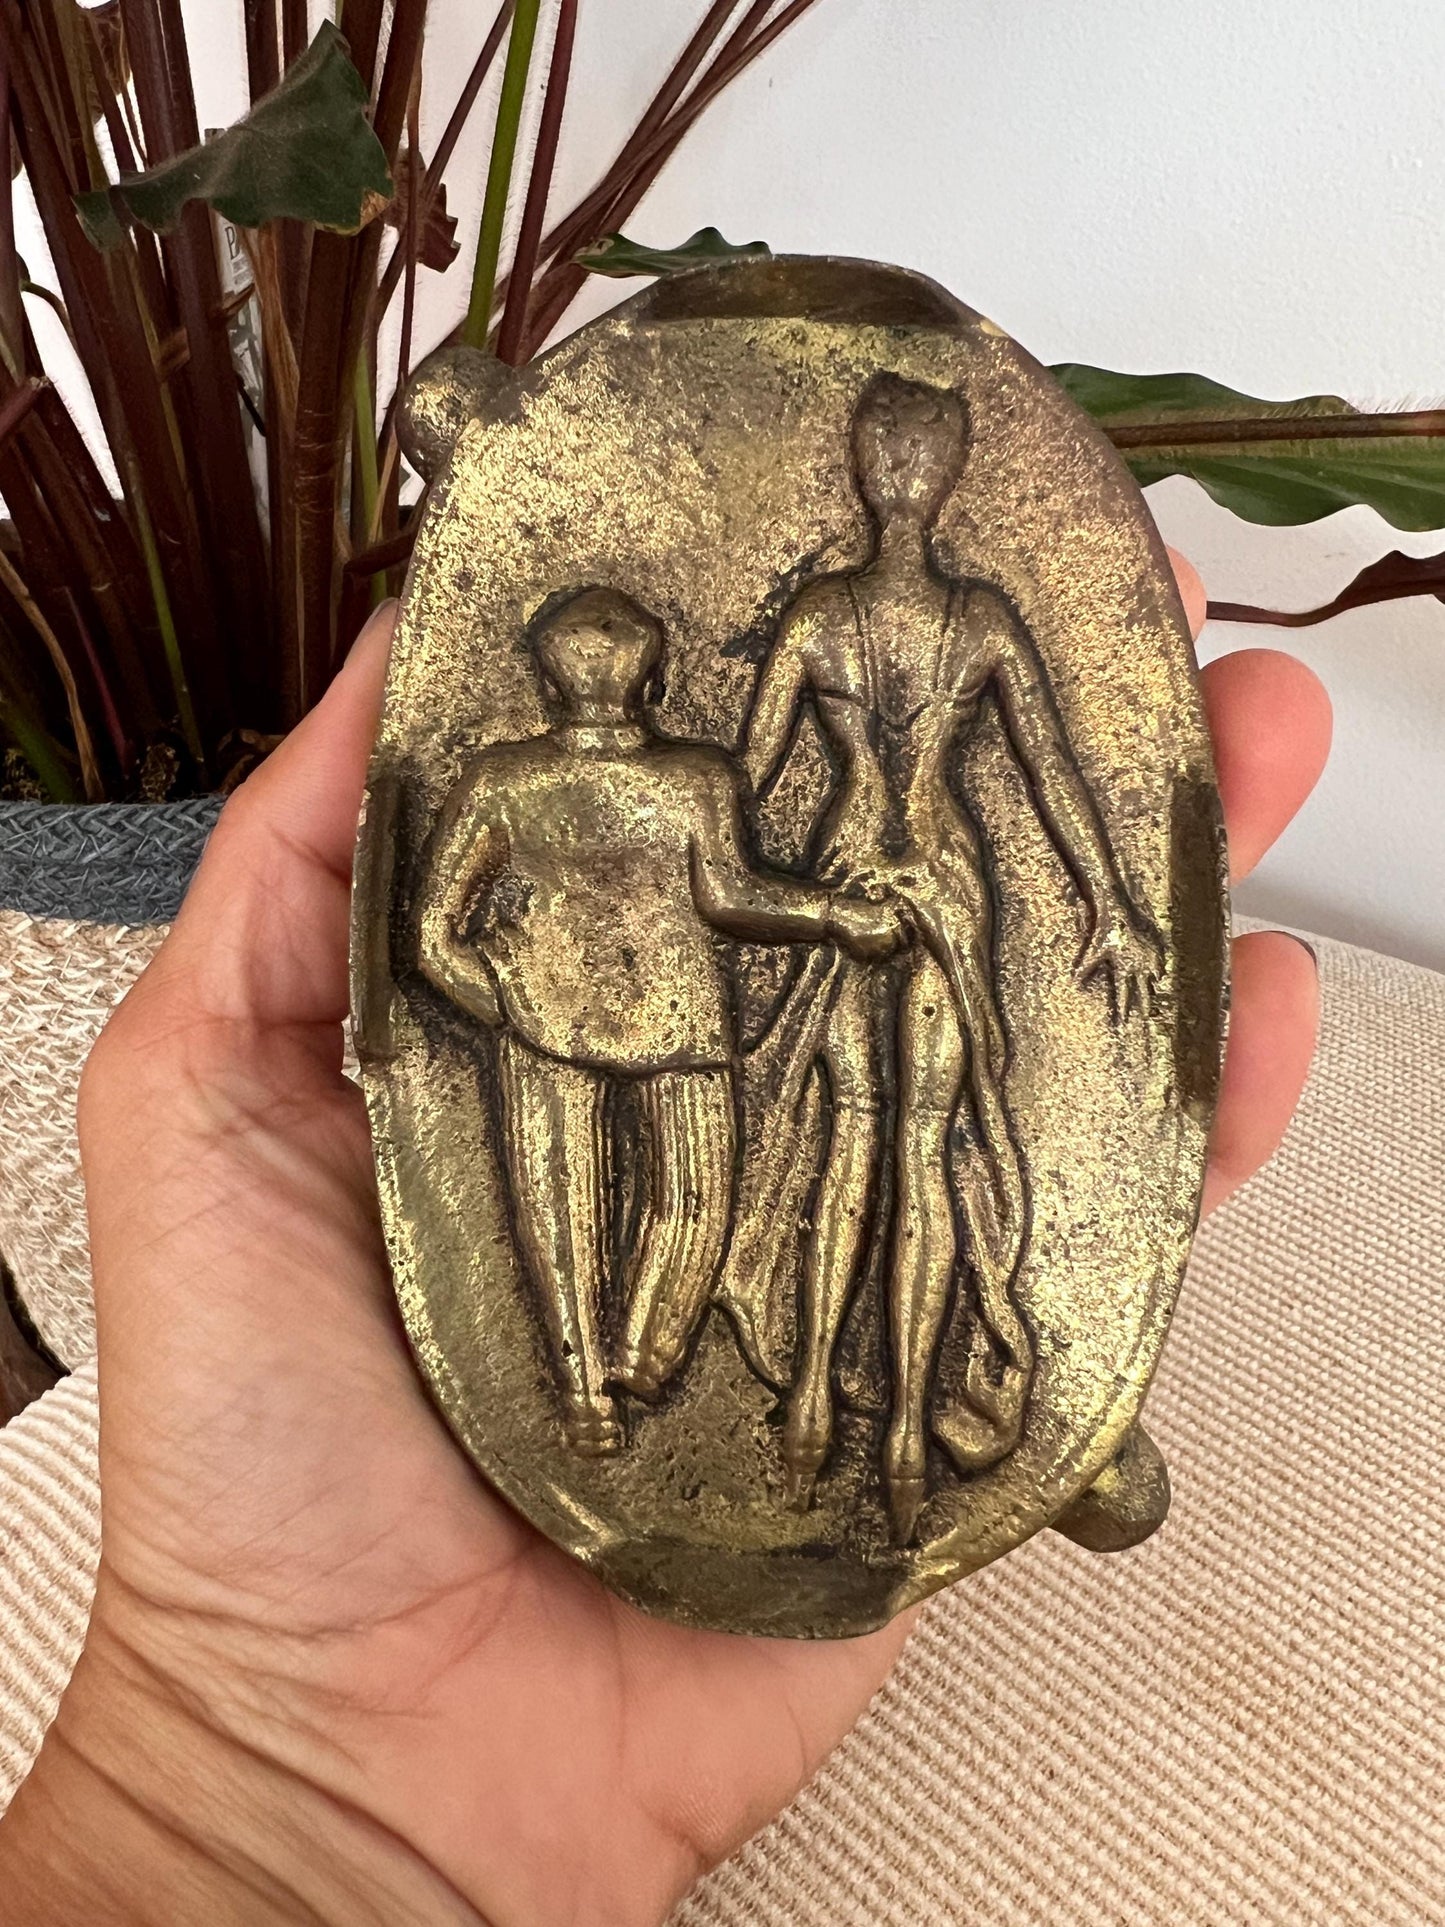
(1314, 954)
(381, 616)
(379, 622)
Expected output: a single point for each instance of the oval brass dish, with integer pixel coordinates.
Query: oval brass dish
(789, 946)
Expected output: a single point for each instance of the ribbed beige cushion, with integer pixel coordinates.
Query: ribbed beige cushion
(49, 1545)
(59, 981)
(1239, 1722)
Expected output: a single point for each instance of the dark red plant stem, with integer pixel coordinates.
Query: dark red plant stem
(12, 313)
(561, 283)
(353, 606)
(28, 681)
(347, 620)
(1182, 433)
(92, 565)
(147, 250)
(395, 93)
(745, 55)
(383, 555)
(363, 20)
(567, 234)
(65, 120)
(126, 560)
(151, 70)
(217, 462)
(47, 572)
(321, 421)
(94, 488)
(403, 55)
(115, 728)
(534, 210)
(16, 407)
(409, 244)
(114, 351)
(22, 678)
(178, 65)
(425, 189)
(467, 99)
(623, 185)
(340, 290)
(295, 30)
(263, 49)
(565, 280)
(1289, 618)
(682, 71)
(95, 544)
(391, 518)
(295, 239)
(1429, 582)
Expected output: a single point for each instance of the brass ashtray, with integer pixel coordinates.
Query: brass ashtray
(790, 946)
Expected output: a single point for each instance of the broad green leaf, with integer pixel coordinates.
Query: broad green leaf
(1282, 479)
(1116, 399)
(1403, 481)
(306, 152)
(615, 254)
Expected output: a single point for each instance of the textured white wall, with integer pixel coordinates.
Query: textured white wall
(1253, 190)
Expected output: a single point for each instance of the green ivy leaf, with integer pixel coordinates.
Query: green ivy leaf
(306, 152)
(615, 254)
(1272, 473)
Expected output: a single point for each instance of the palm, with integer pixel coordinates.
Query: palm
(290, 1532)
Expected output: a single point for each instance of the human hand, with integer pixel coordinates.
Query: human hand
(475, 992)
(329, 1673)
(869, 929)
(1126, 953)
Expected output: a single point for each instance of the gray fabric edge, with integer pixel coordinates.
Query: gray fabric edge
(121, 863)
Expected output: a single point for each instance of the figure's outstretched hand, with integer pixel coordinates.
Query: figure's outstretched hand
(330, 1676)
(1122, 950)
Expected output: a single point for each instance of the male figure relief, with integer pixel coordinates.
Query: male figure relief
(572, 889)
(895, 658)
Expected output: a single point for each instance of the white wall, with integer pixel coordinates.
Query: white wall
(1251, 188)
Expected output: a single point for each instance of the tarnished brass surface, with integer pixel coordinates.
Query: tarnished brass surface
(789, 947)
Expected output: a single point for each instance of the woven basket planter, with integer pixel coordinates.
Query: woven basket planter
(86, 894)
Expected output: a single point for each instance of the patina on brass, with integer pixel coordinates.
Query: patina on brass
(789, 946)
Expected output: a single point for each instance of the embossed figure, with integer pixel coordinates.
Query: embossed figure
(895, 658)
(573, 887)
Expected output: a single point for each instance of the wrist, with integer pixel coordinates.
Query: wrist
(142, 1808)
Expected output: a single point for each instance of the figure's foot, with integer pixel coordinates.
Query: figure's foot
(971, 1440)
(642, 1370)
(807, 1435)
(905, 1470)
(594, 1430)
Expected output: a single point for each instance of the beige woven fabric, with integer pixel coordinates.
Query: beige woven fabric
(49, 1545)
(59, 981)
(1239, 1722)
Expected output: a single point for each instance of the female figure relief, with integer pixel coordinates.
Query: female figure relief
(895, 658)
